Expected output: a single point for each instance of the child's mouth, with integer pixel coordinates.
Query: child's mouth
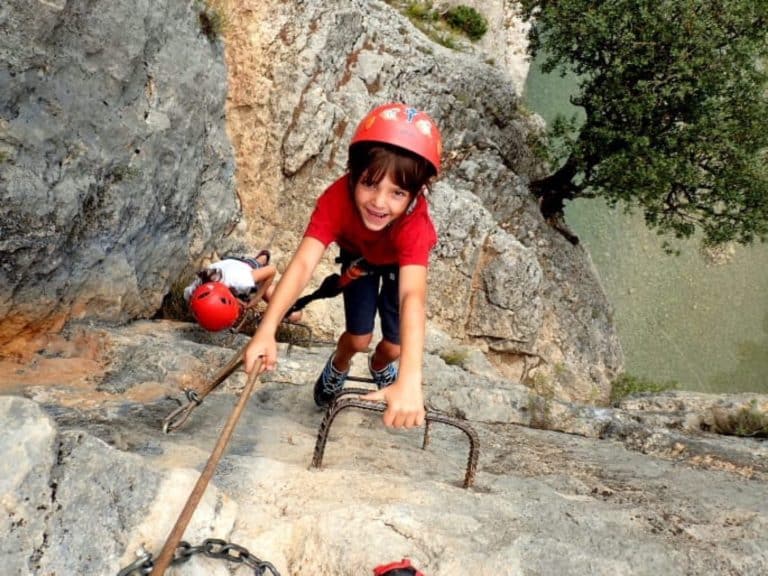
(376, 215)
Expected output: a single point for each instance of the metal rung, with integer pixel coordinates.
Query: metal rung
(342, 402)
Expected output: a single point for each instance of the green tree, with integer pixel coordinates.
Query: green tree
(676, 102)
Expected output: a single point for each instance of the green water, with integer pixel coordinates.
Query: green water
(679, 318)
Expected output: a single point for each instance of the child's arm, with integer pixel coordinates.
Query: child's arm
(404, 398)
(189, 290)
(290, 286)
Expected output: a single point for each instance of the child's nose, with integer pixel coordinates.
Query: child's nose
(379, 197)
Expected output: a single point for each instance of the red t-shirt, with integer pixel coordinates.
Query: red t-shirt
(408, 240)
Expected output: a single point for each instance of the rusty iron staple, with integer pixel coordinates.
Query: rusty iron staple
(176, 419)
(342, 402)
(194, 398)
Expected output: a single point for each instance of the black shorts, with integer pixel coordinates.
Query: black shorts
(377, 290)
(252, 262)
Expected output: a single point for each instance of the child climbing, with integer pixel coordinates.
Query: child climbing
(378, 215)
(222, 291)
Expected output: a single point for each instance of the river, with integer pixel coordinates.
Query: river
(683, 318)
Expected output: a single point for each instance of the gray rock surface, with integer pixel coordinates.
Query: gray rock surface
(88, 476)
(115, 168)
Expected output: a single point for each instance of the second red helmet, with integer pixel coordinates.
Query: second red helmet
(214, 307)
(404, 126)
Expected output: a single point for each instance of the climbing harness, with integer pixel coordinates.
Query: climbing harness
(334, 284)
(342, 402)
(210, 548)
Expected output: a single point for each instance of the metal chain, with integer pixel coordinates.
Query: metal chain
(212, 548)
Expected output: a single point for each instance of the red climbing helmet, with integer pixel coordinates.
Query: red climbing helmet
(402, 568)
(403, 126)
(214, 307)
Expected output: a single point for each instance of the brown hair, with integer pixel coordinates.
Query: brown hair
(371, 161)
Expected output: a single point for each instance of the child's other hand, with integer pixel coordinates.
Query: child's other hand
(264, 349)
(405, 405)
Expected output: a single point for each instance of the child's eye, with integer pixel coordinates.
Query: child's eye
(401, 193)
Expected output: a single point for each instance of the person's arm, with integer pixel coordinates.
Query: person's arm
(290, 286)
(189, 290)
(263, 277)
(404, 398)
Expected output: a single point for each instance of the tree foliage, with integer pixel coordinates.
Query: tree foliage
(676, 100)
(468, 20)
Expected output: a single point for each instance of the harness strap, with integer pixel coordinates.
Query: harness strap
(352, 268)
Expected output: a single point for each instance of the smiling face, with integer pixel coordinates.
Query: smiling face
(386, 180)
(380, 203)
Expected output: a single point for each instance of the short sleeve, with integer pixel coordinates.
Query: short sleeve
(417, 238)
(325, 220)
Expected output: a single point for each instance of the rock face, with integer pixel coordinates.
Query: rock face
(115, 168)
(117, 178)
(87, 476)
(500, 279)
(505, 43)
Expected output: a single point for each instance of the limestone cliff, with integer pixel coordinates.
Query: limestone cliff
(117, 177)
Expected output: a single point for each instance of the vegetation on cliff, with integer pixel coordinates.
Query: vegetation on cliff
(676, 111)
(444, 26)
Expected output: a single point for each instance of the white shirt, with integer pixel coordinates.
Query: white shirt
(235, 274)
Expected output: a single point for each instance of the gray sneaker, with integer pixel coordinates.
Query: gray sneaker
(384, 377)
(329, 384)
